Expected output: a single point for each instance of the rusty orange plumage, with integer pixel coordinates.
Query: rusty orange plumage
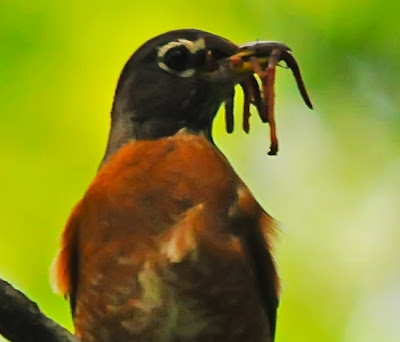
(191, 244)
(168, 244)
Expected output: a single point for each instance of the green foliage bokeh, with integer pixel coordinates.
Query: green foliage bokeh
(335, 185)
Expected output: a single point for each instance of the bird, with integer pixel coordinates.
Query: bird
(168, 244)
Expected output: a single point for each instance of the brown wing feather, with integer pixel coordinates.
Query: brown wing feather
(64, 269)
(258, 230)
(267, 277)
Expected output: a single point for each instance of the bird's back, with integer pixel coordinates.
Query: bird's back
(166, 241)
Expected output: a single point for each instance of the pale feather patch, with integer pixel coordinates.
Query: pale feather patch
(187, 134)
(182, 237)
(150, 302)
(61, 267)
(57, 277)
(151, 285)
(60, 276)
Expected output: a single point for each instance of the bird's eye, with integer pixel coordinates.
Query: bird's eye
(177, 58)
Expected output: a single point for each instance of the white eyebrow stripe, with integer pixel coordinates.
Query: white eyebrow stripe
(193, 47)
(163, 49)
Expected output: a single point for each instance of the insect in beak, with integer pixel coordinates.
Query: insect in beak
(261, 58)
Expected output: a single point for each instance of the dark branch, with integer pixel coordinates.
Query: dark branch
(22, 321)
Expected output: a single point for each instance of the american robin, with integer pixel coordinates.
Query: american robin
(168, 244)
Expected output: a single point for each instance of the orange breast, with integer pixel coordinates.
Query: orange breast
(158, 243)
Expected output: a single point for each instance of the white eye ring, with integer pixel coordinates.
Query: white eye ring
(192, 47)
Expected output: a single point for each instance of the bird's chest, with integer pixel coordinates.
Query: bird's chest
(159, 258)
(150, 186)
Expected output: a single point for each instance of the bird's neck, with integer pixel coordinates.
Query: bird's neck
(126, 128)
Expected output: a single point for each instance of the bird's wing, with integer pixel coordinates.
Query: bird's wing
(258, 230)
(64, 269)
(265, 268)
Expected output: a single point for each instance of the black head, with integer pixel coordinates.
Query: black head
(166, 85)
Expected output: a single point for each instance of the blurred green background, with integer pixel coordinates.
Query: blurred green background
(335, 186)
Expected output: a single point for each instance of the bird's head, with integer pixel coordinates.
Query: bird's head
(176, 80)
